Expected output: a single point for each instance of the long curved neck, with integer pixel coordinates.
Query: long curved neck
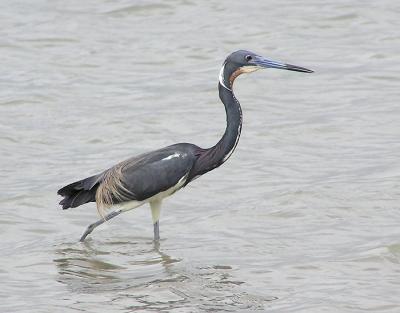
(215, 156)
(227, 144)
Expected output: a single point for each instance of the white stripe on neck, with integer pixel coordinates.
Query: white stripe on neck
(221, 77)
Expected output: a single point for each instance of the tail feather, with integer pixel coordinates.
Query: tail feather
(80, 192)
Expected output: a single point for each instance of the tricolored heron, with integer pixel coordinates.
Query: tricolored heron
(153, 176)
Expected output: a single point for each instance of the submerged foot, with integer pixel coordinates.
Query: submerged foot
(91, 227)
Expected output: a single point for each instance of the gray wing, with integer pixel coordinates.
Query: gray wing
(144, 176)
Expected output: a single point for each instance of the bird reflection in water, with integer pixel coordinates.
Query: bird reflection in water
(112, 265)
(138, 275)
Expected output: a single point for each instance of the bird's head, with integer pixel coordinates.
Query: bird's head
(243, 61)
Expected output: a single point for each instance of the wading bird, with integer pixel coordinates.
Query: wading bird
(153, 176)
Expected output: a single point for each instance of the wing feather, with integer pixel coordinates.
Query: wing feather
(144, 176)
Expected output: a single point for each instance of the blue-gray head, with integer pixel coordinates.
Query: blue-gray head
(243, 61)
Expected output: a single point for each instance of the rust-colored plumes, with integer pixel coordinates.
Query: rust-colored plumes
(111, 189)
(241, 70)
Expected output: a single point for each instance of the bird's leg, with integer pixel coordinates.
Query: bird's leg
(155, 214)
(156, 230)
(91, 227)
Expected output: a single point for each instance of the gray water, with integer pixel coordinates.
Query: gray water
(305, 215)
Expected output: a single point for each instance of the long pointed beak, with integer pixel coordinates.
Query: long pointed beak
(263, 62)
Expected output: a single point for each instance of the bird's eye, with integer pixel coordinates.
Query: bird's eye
(248, 58)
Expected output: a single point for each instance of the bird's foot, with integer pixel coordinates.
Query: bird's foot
(99, 222)
(88, 230)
